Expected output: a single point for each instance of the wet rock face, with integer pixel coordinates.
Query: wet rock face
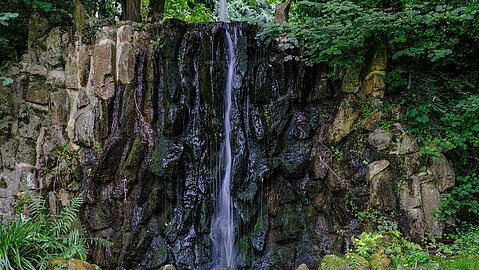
(142, 126)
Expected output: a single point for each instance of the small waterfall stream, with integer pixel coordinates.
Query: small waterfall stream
(222, 10)
(222, 232)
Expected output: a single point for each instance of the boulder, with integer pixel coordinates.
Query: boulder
(83, 65)
(71, 68)
(351, 80)
(375, 84)
(345, 119)
(56, 78)
(431, 200)
(171, 267)
(443, 172)
(60, 107)
(126, 62)
(37, 28)
(302, 267)
(84, 128)
(103, 69)
(37, 92)
(382, 186)
(55, 42)
(356, 262)
(334, 262)
(380, 260)
(281, 14)
(379, 139)
(376, 167)
(410, 194)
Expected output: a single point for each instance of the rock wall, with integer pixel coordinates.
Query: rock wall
(134, 120)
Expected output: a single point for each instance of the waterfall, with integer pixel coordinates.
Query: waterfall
(222, 10)
(222, 232)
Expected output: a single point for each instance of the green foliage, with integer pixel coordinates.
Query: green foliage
(180, 9)
(462, 204)
(338, 33)
(4, 17)
(258, 11)
(398, 249)
(366, 244)
(337, 154)
(463, 126)
(462, 254)
(30, 243)
(144, 10)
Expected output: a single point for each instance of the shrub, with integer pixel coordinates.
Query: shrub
(31, 242)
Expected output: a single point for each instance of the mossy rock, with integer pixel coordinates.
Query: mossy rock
(302, 267)
(72, 264)
(380, 260)
(334, 262)
(168, 267)
(356, 262)
(350, 261)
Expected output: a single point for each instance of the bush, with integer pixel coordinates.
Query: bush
(32, 242)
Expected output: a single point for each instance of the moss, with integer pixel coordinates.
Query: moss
(134, 157)
(31, 142)
(6, 131)
(332, 262)
(356, 262)
(3, 183)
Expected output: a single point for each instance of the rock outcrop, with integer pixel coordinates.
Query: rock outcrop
(134, 120)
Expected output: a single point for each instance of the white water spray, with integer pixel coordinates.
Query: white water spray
(222, 232)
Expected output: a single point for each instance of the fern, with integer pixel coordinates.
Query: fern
(32, 243)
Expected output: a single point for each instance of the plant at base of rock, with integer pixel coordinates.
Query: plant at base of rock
(366, 244)
(31, 243)
(376, 221)
(337, 154)
(462, 202)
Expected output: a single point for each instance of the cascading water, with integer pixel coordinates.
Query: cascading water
(222, 232)
(222, 10)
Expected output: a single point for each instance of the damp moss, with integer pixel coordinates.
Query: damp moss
(135, 153)
(3, 183)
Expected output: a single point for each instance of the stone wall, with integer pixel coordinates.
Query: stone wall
(137, 125)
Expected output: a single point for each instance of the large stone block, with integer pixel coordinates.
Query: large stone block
(351, 80)
(83, 65)
(344, 121)
(381, 185)
(126, 62)
(60, 107)
(37, 92)
(379, 139)
(375, 84)
(443, 172)
(431, 201)
(103, 69)
(84, 128)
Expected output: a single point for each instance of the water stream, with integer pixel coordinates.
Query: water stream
(222, 10)
(222, 232)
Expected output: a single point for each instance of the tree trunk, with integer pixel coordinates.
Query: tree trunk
(131, 10)
(157, 9)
